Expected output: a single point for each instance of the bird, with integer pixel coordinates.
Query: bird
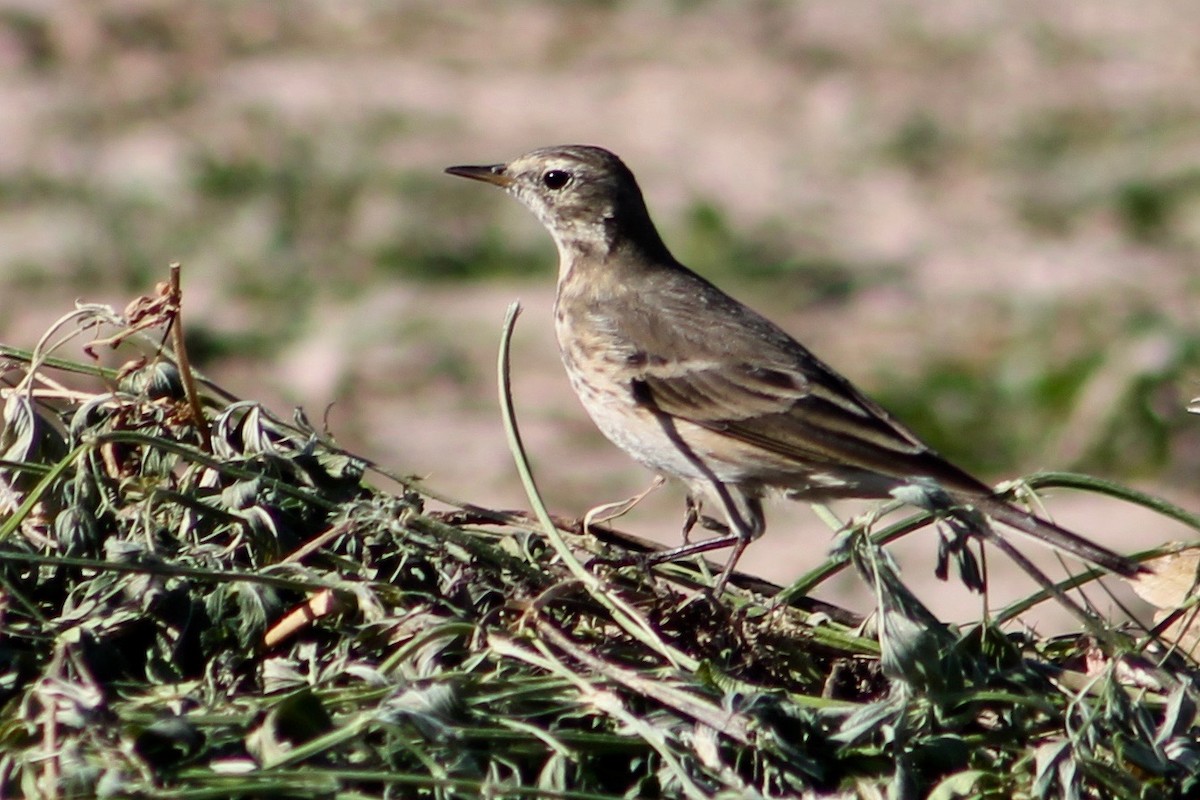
(695, 385)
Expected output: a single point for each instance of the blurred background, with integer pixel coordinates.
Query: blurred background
(987, 215)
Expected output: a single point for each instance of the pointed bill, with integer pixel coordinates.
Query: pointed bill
(493, 173)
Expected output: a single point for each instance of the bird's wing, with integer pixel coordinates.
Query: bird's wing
(792, 413)
(786, 401)
(817, 417)
(732, 371)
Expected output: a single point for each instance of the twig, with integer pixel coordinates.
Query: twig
(181, 357)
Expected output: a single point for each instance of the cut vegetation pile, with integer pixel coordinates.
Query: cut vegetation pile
(242, 609)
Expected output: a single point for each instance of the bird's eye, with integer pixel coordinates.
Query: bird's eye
(556, 179)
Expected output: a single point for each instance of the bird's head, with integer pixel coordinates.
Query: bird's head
(585, 196)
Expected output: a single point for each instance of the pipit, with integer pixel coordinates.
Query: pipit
(695, 385)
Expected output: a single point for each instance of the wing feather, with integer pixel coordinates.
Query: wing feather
(809, 414)
(732, 371)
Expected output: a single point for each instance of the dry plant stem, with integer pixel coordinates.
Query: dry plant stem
(321, 604)
(610, 511)
(42, 350)
(181, 358)
(316, 543)
(50, 770)
(318, 604)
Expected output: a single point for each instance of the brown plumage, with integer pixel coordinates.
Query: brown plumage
(697, 386)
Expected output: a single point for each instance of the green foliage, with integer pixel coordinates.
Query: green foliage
(708, 243)
(1045, 139)
(922, 144)
(244, 614)
(30, 36)
(1062, 157)
(1148, 207)
(489, 256)
(989, 425)
(1116, 403)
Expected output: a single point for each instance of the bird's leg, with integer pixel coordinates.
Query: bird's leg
(691, 516)
(746, 523)
(739, 547)
(691, 549)
(695, 505)
(743, 508)
(610, 511)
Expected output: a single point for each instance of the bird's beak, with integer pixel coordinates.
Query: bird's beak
(493, 174)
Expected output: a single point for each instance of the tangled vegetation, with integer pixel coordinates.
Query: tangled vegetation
(240, 608)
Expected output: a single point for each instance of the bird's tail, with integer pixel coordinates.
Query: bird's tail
(1058, 537)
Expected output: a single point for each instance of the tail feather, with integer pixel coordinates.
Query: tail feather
(1059, 538)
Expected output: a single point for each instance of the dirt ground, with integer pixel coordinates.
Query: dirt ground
(1011, 186)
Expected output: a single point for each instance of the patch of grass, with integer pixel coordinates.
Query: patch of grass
(922, 144)
(710, 245)
(207, 346)
(31, 34)
(25, 187)
(1047, 211)
(311, 197)
(1065, 161)
(1144, 208)
(246, 613)
(992, 415)
(158, 29)
(1148, 207)
(231, 178)
(489, 256)
(964, 411)
(1143, 430)
(1050, 136)
(255, 617)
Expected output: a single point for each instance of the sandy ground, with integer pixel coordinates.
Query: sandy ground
(980, 173)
